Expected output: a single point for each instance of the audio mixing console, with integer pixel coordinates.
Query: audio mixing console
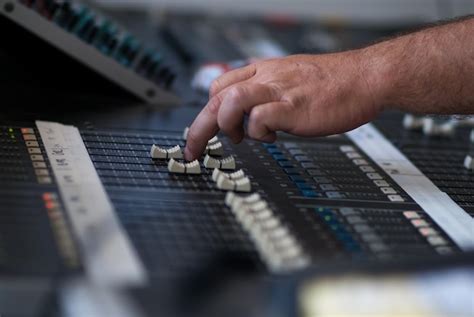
(308, 202)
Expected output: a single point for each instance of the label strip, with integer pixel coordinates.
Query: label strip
(108, 255)
(457, 223)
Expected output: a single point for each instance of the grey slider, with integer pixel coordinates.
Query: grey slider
(184, 168)
(227, 163)
(157, 152)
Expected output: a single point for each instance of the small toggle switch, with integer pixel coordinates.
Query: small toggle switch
(157, 152)
(227, 163)
(184, 168)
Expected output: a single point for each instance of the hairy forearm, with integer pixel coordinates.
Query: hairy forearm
(430, 71)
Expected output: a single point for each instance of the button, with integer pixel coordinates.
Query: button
(353, 155)
(360, 162)
(297, 179)
(44, 180)
(29, 137)
(157, 152)
(355, 220)
(185, 133)
(274, 151)
(280, 157)
(236, 175)
(215, 149)
(469, 162)
(34, 150)
(437, 241)
(427, 231)
(348, 211)
(381, 183)
(41, 172)
(329, 187)
(292, 171)
(367, 169)
(285, 164)
(411, 215)
(39, 164)
(419, 223)
(39, 158)
(187, 168)
(395, 198)
(335, 195)
(388, 190)
(347, 148)
(308, 165)
(374, 176)
(305, 186)
(309, 193)
(296, 152)
(27, 131)
(227, 163)
(32, 143)
(315, 172)
(303, 158)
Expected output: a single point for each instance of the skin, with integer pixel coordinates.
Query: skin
(430, 71)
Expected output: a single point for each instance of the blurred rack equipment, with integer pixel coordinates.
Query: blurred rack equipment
(96, 42)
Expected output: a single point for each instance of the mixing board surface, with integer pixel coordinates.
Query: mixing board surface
(324, 200)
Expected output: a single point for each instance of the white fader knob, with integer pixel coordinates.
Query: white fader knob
(412, 122)
(215, 149)
(185, 133)
(431, 127)
(469, 162)
(227, 163)
(236, 175)
(187, 168)
(157, 152)
(238, 185)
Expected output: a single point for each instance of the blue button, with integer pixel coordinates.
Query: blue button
(285, 164)
(309, 193)
(292, 171)
(297, 179)
(279, 157)
(303, 186)
(269, 145)
(274, 151)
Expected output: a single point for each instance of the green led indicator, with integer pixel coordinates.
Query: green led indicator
(10, 130)
(327, 218)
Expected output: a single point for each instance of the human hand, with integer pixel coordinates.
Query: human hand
(305, 95)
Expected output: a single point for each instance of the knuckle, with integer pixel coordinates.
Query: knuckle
(237, 92)
(215, 87)
(214, 105)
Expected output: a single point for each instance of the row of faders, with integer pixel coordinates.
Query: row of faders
(98, 42)
(237, 181)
